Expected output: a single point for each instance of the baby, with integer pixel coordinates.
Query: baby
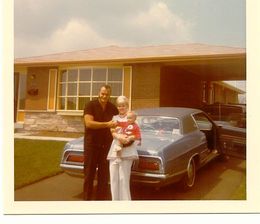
(131, 131)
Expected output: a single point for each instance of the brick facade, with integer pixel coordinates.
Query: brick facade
(145, 85)
(148, 85)
(42, 121)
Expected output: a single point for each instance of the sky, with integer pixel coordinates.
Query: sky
(53, 26)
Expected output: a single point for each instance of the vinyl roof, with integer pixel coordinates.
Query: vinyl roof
(135, 54)
(177, 112)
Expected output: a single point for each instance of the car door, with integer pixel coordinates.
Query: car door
(233, 141)
(207, 126)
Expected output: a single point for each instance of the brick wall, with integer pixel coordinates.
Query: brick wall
(145, 85)
(36, 121)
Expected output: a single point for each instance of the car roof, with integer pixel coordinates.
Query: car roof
(177, 112)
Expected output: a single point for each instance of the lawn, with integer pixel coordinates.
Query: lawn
(35, 160)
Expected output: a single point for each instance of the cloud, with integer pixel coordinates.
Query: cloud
(158, 15)
(159, 21)
(44, 27)
(76, 34)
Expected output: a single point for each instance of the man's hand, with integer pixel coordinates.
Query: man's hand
(90, 123)
(111, 124)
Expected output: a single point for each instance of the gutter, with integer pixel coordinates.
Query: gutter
(23, 62)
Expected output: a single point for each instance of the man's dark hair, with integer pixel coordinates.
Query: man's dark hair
(108, 87)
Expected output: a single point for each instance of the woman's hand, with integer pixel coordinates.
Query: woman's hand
(123, 138)
(131, 138)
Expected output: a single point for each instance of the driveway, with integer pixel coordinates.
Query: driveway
(216, 181)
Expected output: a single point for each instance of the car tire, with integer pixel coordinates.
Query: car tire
(188, 180)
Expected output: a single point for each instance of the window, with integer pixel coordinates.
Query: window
(203, 122)
(77, 86)
(159, 124)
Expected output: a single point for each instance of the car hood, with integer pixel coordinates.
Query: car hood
(153, 144)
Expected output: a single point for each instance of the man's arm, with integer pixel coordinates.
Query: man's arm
(90, 123)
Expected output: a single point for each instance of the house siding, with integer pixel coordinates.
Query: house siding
(37, 78)
(145, 85)
(224, 95)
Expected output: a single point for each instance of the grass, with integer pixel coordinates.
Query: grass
(35, 160)
(58, 134)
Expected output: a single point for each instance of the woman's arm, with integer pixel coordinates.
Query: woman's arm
(122, 138)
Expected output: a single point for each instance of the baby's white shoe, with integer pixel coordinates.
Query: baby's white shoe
(117, 148)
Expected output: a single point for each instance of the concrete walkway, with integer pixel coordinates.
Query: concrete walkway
(61, 187)
(216, 181)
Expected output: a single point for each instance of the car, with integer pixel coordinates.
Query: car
(227, 114)
(232, 119)
(176, 142)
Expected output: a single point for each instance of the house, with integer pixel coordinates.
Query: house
(51, 90)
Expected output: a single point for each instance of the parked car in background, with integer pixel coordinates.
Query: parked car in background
(232, 119)
(176, 142)
(228, 114)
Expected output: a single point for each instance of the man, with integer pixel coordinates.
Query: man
(97, 140)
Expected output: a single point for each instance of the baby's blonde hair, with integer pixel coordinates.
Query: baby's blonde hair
(132, 113)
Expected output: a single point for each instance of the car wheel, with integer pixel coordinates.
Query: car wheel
(188, 180)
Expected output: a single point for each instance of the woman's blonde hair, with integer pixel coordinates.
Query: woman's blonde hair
(122, 99)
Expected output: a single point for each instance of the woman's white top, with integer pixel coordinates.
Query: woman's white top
(129, 152)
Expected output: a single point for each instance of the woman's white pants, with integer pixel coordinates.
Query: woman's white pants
(120, 179)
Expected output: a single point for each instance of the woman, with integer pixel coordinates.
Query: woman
(120, 171)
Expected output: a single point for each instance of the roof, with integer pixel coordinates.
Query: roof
(134, 54)
(228, 86)
(177, 112)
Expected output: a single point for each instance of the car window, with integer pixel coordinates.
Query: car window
(157, 123)
(188, 125)
(237, 120)
(202, 121)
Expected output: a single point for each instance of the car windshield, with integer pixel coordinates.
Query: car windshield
(159, 124)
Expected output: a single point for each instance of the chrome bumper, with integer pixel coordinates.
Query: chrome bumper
(150, 179)
(154, 179)
(73, 170)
